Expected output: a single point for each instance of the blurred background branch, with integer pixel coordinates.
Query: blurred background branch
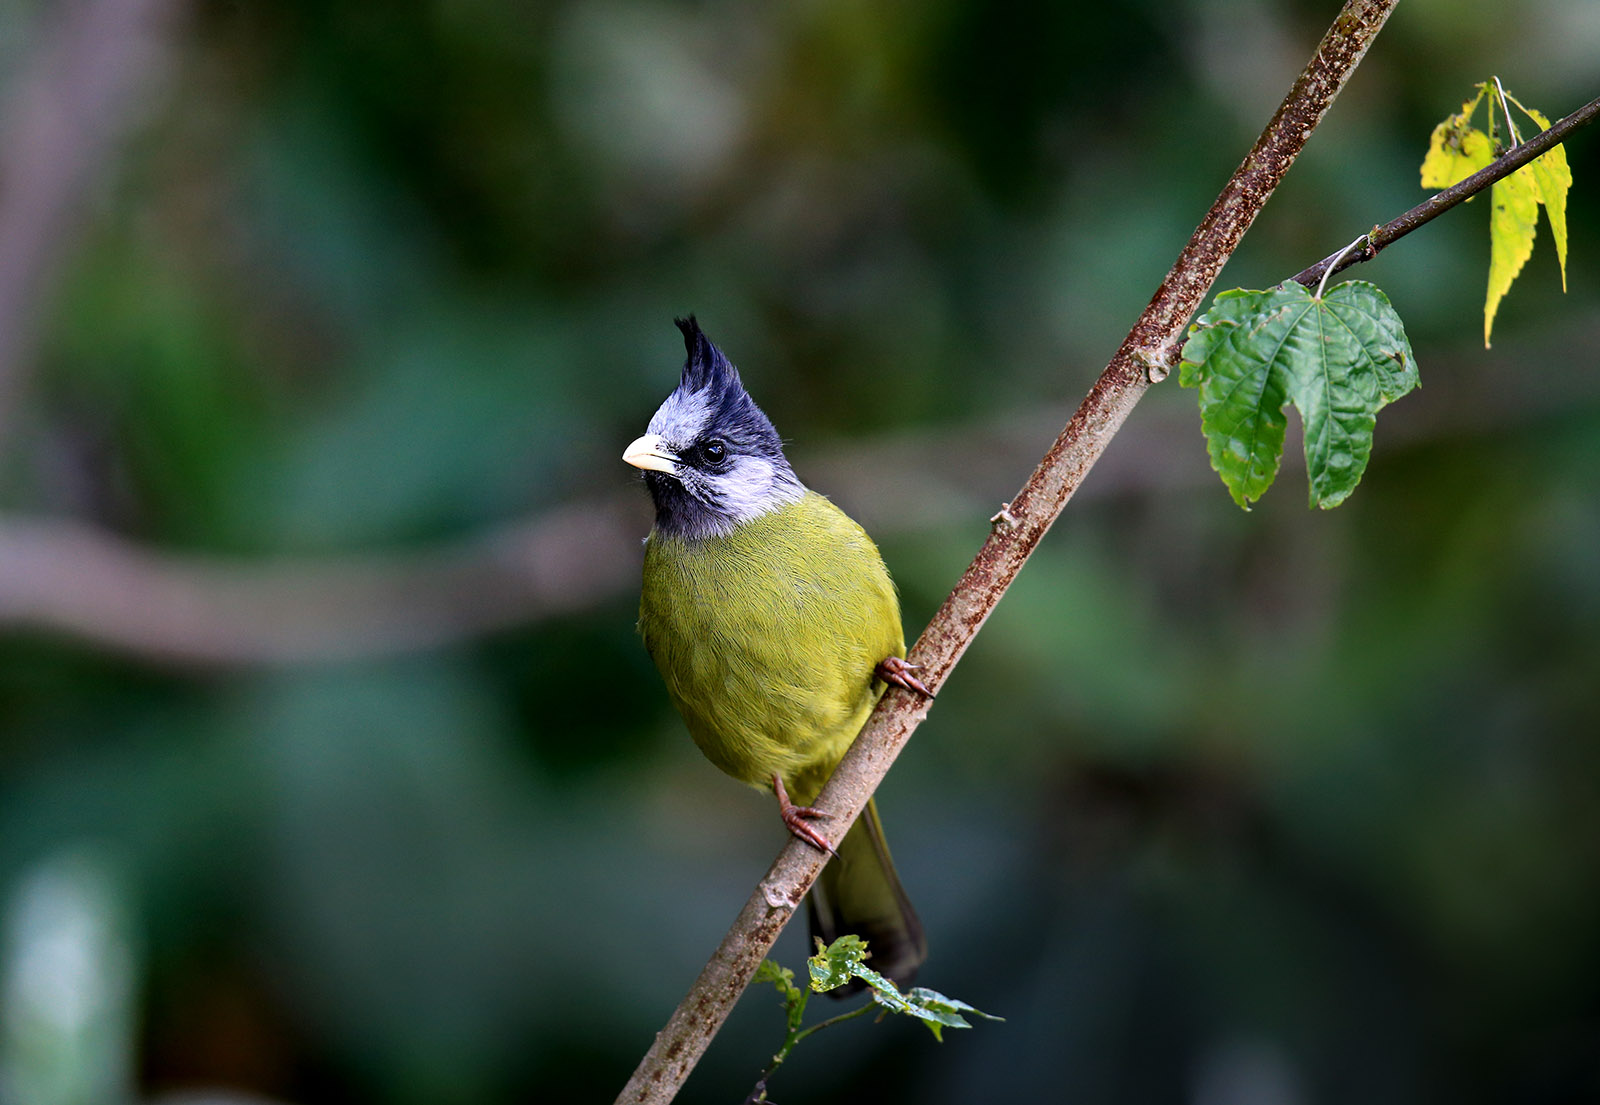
(71, 577)
(84, 89)
(165, 607)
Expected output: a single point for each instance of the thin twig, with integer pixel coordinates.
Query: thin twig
(1148, 353)
(1511, 124)
(758, 1093)
(1323, 283)
(1431, 208)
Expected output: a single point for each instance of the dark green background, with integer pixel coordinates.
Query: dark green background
(1278, 807)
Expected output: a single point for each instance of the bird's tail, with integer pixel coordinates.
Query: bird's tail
(859, 892)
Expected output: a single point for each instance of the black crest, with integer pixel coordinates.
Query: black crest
(706, 367)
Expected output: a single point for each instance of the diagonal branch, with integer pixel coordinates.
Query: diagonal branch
(1147, 355)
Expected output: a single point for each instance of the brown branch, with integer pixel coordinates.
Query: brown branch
(1147, 354)
(67, 112)
(1430, 209)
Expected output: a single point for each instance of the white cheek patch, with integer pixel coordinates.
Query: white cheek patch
(680, 419)
(753, 486)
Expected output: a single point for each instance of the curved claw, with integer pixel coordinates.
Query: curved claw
(896, 670)
(795, 818)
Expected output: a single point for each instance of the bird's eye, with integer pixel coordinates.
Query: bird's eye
(715, 452)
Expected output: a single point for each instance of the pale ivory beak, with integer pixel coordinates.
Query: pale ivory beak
(651, 452)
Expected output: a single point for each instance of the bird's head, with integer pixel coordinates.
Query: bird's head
(710, 457)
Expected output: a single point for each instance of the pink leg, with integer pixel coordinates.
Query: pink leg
(895, 670)
(795, 817)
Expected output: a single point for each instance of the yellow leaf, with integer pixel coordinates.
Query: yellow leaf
(1552, 180)
(1455, 151)
(1513, 219)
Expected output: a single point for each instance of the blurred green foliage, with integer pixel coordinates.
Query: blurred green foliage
(1284, 807)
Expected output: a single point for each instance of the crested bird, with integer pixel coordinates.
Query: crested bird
(774, 623)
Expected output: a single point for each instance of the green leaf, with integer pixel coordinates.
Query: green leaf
(844, 960)
(794, 998)
(1241, 395)
(780, 977)
(1513, 221)
(932, 1009)
(1338, 360)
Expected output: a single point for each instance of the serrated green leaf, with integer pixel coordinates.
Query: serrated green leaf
(936, 1018)
(1338, 360)
(1363, 362)
(931, 1008)
(1513, 221)
(1231, 356)
(925, 998)
(835, 965)
(794, 998)
(781, 977)
(843, 960)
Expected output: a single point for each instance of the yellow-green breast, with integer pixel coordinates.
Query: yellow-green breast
(767, 639)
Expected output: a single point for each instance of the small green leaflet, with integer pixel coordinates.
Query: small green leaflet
(843, 960)
(794, 998)
(1338, 359)
(1457, 149)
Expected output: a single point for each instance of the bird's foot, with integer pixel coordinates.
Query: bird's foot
(795, 818)
(896, 670)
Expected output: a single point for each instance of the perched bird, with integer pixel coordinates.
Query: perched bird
(775, 625)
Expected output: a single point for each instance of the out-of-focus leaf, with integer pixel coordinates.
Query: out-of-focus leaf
(67, 978)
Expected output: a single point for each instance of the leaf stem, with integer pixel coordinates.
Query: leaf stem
(1511, 126)
(1324, 283)
(839, 1018)
(758, 1093)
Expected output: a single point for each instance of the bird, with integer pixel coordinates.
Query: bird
(776, 627)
